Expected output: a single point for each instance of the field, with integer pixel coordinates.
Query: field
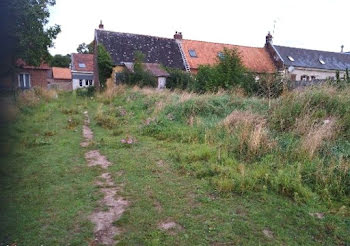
(210, 169)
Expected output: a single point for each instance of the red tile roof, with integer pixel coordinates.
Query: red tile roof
(61, 73)
(87, 59)
(23, 64)
(255, 59)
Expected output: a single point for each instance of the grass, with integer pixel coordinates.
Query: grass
(223, 167)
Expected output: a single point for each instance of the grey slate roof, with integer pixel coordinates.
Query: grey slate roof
(122, 47)
(310, 58)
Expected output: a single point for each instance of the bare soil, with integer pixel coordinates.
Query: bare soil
(103, 219)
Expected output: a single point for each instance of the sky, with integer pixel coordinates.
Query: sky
(311, 24)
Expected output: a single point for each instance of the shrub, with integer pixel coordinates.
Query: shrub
(104, 119)
(179, 79)
(105, 64)
(86, 92)
(229, 73)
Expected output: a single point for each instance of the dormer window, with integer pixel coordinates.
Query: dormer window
(291, 58)
(82, 65)
(322, 61)
(192, 53)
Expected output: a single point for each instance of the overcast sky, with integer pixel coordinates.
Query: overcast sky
(313, 24)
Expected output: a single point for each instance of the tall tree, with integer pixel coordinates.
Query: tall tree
(84, 48)
(26, 34)
(60, 61)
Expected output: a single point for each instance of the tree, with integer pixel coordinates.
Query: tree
(347, 78)
(105, 64)
(84, 48)
(227, 74)
(26, 35)
(60, 61)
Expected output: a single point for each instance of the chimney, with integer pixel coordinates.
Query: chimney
(269, 38)
(178, 35)
(342, 49)
(101, 25)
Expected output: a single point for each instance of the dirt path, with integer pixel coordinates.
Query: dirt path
(112, 206)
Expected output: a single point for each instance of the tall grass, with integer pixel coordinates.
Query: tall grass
(298, 147)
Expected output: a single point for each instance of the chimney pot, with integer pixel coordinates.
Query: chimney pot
(101, 25)
(178, 35)
(342, 49)
(269, 38)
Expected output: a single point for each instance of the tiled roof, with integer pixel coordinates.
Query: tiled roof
(83, 62)
(312, 58)
(154, 68)
(122, 47)
(61, 73)
(22, 64)
(255, 59)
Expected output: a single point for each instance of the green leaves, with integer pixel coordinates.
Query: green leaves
(105, 64)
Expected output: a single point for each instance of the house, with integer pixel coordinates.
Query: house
(307, 65)
(31, 76)
(154, 69)
(82, 69)
(61, 79)
(197, 53)
(122, 47)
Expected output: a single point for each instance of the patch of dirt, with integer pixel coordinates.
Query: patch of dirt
(317, 215)
(268, 233)
(94, 158)
(111, 207)
(170, 226)
(104, 230)
(88, 135)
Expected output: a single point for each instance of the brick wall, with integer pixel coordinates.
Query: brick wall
(38, 77)
(65, 85)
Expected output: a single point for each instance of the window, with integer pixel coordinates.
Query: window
(291, 58)
(86, 82)
(24, 80)
(80, 82)
(220, 55)
(313, 77)
(305, 78)
(82, 65)
(192, 53)
(322, 61)
(90, 82)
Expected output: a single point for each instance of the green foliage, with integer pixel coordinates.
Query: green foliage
(105, 64)
(337, 76)
(139, 76)
(270, 85)
(347, 77)
(86, 91)
(29, 36)
(229, 73)
(84, 48)
(179, 79)
(60, 61)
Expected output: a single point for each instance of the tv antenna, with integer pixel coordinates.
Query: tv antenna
(274, 27)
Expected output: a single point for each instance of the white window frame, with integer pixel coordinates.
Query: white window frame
(24, 81)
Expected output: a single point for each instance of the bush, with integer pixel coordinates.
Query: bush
(86, 92)
(229, 73)
(179, 79)
(105, 64)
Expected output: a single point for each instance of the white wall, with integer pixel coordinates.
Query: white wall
(318, 73)
(76, 83)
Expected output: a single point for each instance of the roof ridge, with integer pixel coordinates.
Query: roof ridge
(310, 49)
(224, 43)
(135, 34)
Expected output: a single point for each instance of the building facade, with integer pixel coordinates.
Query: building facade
(82, 69)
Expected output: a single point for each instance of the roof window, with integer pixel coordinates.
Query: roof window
(192, 53)
(322, 61)
(220, 55)
(82, 65)
(291, 58)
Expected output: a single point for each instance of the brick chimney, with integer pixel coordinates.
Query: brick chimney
(101, 25)
(178, 35)
(269, 38)
(342, 49)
